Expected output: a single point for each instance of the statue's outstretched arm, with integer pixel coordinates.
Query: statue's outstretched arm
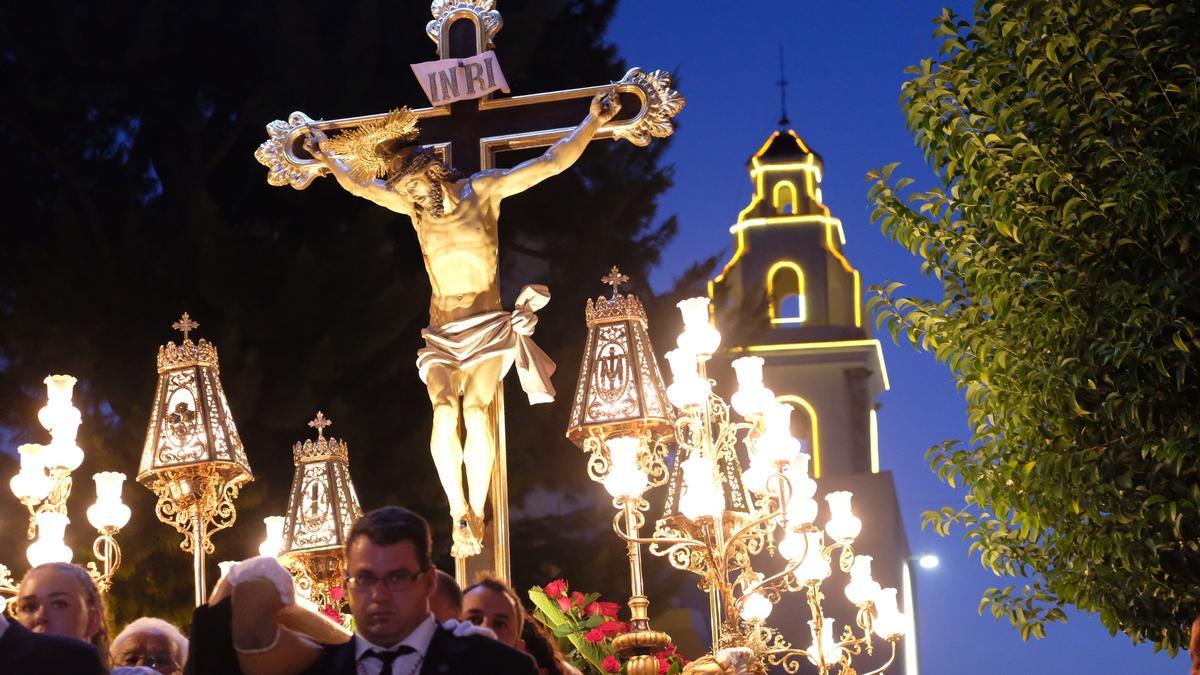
(374, 190)
(561, 155)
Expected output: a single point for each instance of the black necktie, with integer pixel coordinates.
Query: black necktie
(388, 658)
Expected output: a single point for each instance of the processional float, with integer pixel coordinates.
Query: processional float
(466, 131)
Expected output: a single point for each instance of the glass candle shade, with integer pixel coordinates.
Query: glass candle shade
(701, 492)
(698, 336)
(843, 526)
(109, 512)
(862, 588)
(49, 547)
(274, 540)
(756, 607)
(625, 478)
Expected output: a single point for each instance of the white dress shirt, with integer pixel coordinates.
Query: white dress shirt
(419, 640)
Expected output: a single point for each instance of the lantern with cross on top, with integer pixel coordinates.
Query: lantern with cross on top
(193, 459)
(321, 509)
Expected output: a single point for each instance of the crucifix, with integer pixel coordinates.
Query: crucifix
(440, 165)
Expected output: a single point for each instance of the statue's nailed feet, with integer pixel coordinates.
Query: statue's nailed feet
(468, 536)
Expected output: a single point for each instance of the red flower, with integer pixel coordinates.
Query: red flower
(337, 593)
(564, 603)
(611, 664)
(577, 598)
(594, 635)
(611, 628)
(608, 609)
(556, 588)
(331, 612)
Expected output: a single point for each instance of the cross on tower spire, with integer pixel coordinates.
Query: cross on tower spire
(185, 325)
(319, 423)
(783, 83)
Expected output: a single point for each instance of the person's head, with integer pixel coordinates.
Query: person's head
(491, 603)
(446, 602)
(61, 599)
(419, 175)
(152, 643)
(542, 646)
(388, 575)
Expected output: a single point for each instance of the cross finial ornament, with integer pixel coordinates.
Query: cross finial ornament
(615, 279)
(185, 325)
(319, 423)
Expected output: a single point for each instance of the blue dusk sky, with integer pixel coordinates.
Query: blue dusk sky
(845, 62)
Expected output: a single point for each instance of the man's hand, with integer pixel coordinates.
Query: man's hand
(258, 567)
(605, 106)
(315, 142)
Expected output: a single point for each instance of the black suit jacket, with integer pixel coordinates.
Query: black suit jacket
(210, 645)
(211, 651)
(447, 655)
(23, 652)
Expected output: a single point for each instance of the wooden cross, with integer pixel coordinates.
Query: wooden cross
(319, 423)
(185, 325)
(470, 134)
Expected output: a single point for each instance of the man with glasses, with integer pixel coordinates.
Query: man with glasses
(151, 643)
(389, 581)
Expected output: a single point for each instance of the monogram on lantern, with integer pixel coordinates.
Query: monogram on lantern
(721, 522)
(193, 459)
(43, 485)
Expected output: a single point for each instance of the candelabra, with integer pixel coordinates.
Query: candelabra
(193, 459)
(719, 521)
(44, 483)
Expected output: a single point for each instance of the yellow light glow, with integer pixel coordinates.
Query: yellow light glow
(776, 304)
(853, 272)
(796, 401)
(830, 223)
(791, 196)
(837, 344)
(874, 442)
(758, 169)
(737, 255)
(911, 662)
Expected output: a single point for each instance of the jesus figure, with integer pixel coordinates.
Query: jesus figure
(471, 340)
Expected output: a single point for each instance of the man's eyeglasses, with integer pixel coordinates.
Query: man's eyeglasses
(396, 581)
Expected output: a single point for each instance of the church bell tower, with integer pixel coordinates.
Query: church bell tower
(790, 279)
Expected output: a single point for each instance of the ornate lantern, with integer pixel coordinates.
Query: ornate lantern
(620, 389)
(193, 459)
(321, 510)
(622, 418)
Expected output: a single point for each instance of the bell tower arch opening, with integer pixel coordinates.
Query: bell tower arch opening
(785, 198)
(785, 289)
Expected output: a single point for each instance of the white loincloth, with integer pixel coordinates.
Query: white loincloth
(491, 335)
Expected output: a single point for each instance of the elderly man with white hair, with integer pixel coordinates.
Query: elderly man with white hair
(149, 643)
